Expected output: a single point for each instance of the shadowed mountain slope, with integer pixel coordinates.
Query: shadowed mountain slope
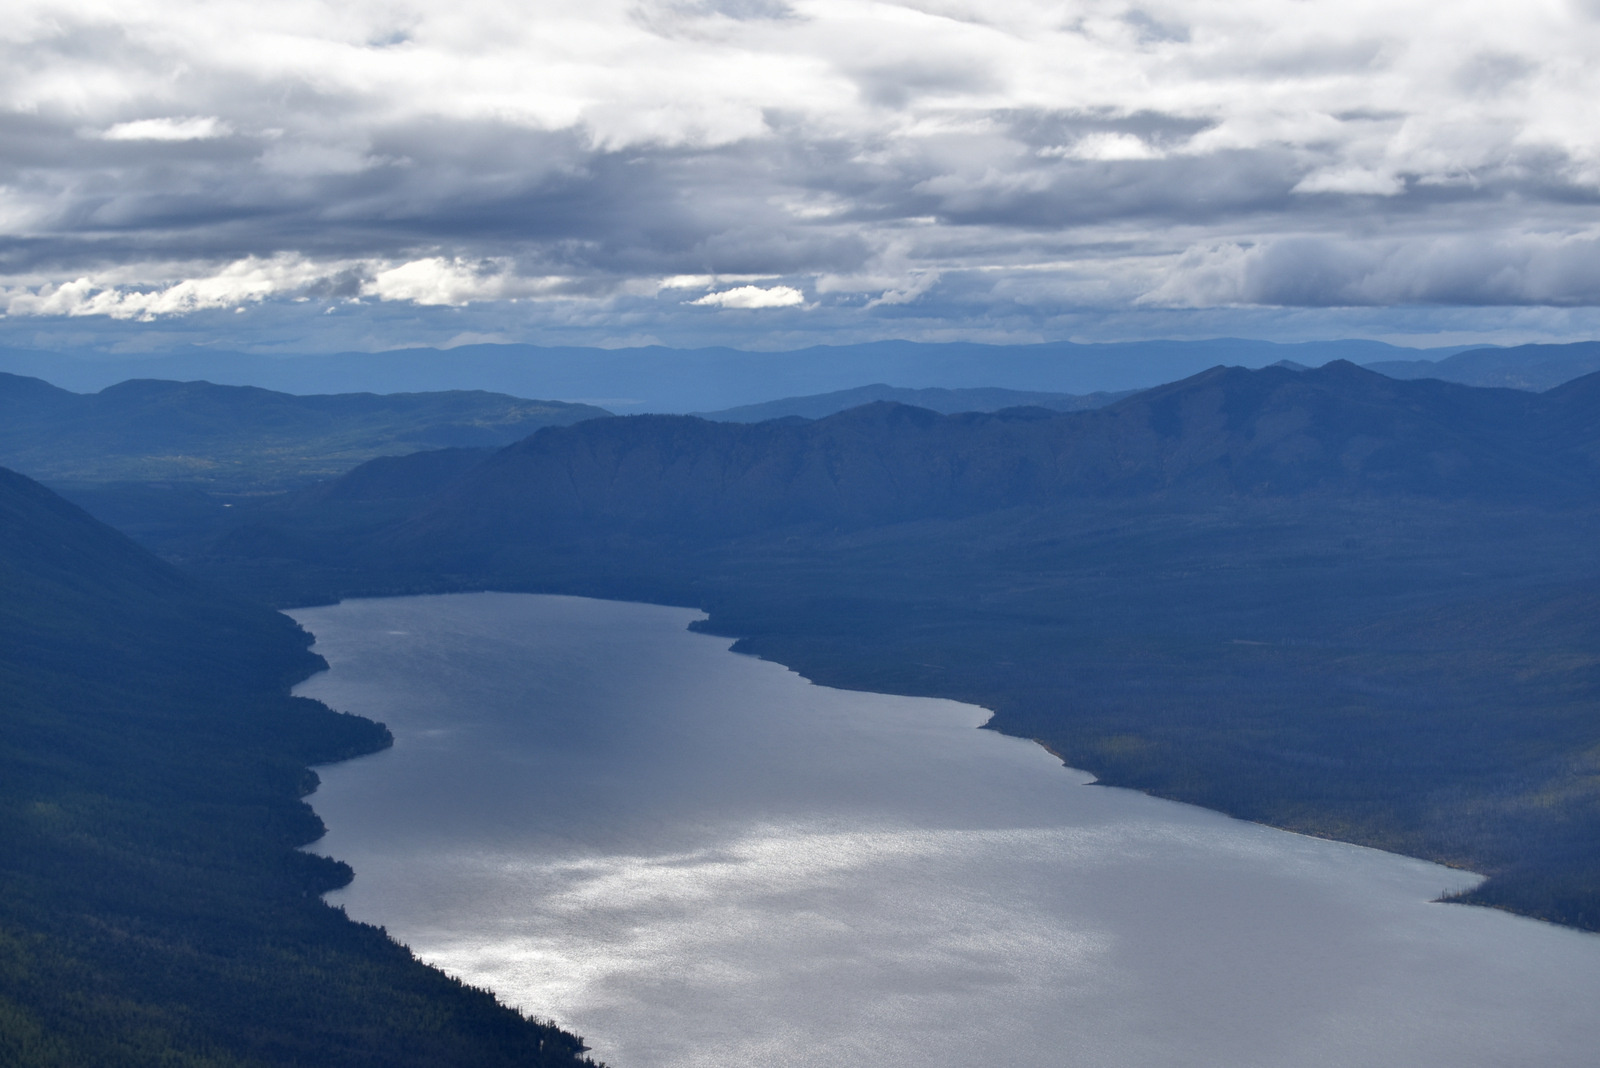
(154, 907)
(1335, 431)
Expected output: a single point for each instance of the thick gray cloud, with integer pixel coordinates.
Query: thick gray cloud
(755, 170)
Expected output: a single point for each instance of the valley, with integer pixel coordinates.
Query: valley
(1324, 600)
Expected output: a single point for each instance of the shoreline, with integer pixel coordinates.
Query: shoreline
(705, 625)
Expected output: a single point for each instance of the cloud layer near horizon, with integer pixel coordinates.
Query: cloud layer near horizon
(916, 165)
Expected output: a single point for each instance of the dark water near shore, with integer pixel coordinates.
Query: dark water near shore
(694, 858)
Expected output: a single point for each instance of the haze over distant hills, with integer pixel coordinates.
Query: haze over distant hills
(683, 380)
(1535, 367)
(1527, 367)
(244, 439)
(659, 379)
(945, 401)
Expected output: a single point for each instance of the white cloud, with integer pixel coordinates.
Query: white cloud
(438, 280)
(200, 128)
(665, 72)
(485, 151)
(1355, 180)
(706, 281)
(243, 282)
(434, 280)
(752, 297)
(1104, 146)
(911, 289)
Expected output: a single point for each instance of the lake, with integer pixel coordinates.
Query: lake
(696, 858)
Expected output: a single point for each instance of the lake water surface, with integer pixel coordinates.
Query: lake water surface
(695, 858)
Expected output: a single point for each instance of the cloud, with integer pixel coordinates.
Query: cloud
(913, 165)
(430, 281)
(1353, 180)
(190, 129)
(1105, 145)
(1494, 269)
(912, 289)
(437, 280)
(752, 297)
(246, 281)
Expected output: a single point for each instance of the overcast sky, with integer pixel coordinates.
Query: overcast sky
(314, 175)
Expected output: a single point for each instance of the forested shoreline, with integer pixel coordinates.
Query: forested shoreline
(155, 906)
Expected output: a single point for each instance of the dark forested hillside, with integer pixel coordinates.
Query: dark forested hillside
(154, 908)
(1337, 430)
(1330, 433)
(1329, 600)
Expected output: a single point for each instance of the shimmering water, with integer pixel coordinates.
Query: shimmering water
(695, 858)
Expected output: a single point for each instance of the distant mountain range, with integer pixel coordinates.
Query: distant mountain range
(164, 460)
(1533, 367)
(243, 439)
(658, 379)
(946, 401)
(1227, 432)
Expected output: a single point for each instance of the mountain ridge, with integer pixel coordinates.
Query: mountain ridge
(672, 380)
(1228, 431)
(1531, 367)
(943, 401)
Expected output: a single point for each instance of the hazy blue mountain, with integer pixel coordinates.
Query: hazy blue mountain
(659, 379)
(243, 439)
(1226, 432)
(154, 906)
(1535, 367)
(1336, 432)
(947, 401)
(1324, 599)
